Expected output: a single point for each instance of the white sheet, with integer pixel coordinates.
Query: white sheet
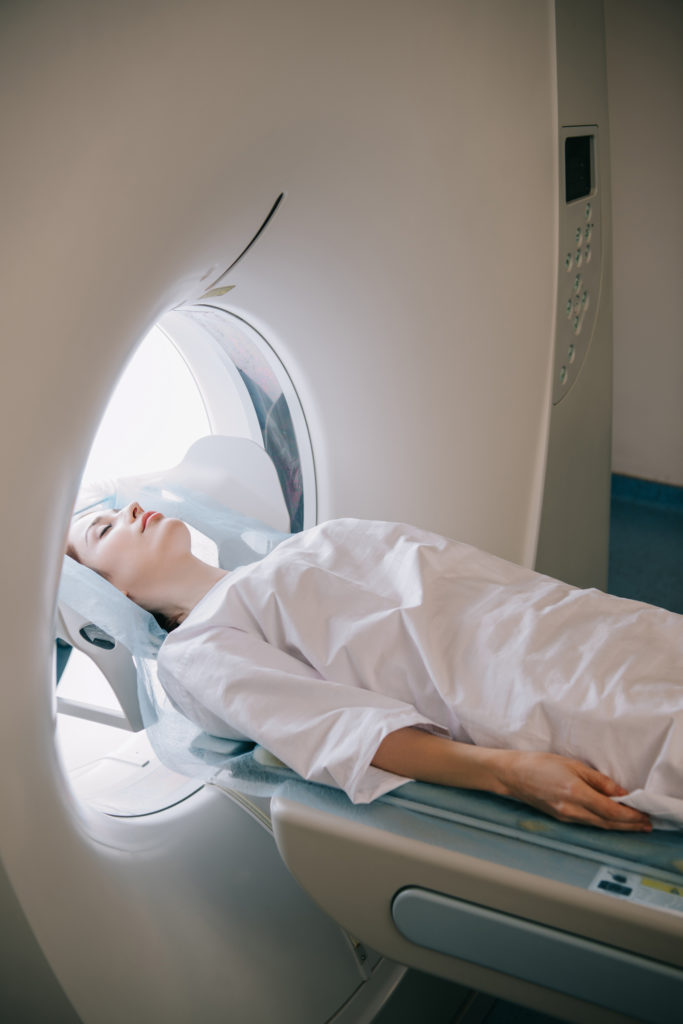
(354, 629)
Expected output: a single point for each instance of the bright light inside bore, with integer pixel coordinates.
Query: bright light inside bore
(154, 415)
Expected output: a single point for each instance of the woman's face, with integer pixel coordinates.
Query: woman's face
(131, 548)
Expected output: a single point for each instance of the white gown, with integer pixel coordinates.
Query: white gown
(354, 629)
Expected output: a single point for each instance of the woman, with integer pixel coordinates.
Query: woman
(365, 653)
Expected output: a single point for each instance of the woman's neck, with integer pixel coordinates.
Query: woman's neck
(190, 581)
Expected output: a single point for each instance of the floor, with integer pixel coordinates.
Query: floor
(645, 564)
(646, 542)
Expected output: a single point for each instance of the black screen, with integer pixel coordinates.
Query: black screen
(577, 166)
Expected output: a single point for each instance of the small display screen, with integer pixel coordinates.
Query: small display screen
(578, 170)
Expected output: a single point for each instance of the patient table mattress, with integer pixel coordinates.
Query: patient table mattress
(440, 806)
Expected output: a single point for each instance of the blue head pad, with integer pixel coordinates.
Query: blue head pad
(100, 602)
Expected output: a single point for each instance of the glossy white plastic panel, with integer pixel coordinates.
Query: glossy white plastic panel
(573, 532)
(355, 863)
(405, 282)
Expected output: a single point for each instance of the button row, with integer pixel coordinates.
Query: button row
(564, 369)
(578, 289)
(576, 259)
(577, 305)
(583, 234)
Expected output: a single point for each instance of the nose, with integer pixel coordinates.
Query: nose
(134, 511)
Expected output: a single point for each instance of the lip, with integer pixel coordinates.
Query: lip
(146, 518)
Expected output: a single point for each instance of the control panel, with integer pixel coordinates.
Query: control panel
(580, 254)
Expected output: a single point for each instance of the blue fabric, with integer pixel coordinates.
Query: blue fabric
(98, 601)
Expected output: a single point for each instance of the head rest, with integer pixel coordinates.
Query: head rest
(99, 602)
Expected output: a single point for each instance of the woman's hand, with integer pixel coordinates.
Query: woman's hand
(568, 790)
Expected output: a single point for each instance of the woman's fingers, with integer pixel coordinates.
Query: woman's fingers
(601, 782)
(598, 789)
(591, 808)
(571, 791)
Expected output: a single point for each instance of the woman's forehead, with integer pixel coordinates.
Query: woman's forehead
(83, 520)
(92, 515)
(80, 524)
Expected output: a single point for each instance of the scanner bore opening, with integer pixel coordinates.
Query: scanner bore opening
(200, 371)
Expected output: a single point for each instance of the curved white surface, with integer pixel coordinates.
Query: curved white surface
(407, 284)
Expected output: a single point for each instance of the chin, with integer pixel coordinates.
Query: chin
(178, 526)
(174, 531)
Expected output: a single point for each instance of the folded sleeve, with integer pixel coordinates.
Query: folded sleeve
(325, 731)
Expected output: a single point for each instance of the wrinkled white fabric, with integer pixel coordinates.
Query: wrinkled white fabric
(353, 629)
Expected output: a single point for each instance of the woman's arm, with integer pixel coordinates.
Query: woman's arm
(560, 786)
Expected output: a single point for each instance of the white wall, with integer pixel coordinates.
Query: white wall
(645, 77)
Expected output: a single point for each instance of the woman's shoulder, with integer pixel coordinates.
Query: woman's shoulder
(381, 528)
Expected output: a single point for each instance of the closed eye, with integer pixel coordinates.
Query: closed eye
(103, 531)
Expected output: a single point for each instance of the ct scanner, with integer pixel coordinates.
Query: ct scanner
(412, 203)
